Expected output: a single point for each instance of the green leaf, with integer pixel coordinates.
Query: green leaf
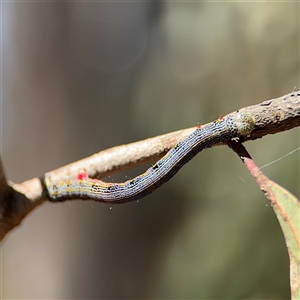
(287, 209)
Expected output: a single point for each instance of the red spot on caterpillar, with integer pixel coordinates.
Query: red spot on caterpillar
(198, 126)
(220, 118)
(81, 176)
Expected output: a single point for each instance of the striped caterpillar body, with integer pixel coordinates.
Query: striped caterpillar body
(219, 131)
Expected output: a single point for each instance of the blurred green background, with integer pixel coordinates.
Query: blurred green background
(81, 77)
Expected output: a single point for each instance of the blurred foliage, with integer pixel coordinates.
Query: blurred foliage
(82, 77)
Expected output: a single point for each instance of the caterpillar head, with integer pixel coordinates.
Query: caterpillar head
(244, 122)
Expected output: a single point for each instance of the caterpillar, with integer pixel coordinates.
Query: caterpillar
(219, 131)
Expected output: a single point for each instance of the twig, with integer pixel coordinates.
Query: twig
(271, 117)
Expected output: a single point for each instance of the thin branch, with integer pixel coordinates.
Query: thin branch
(121, 158)
(17, 200)
(271, 117)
